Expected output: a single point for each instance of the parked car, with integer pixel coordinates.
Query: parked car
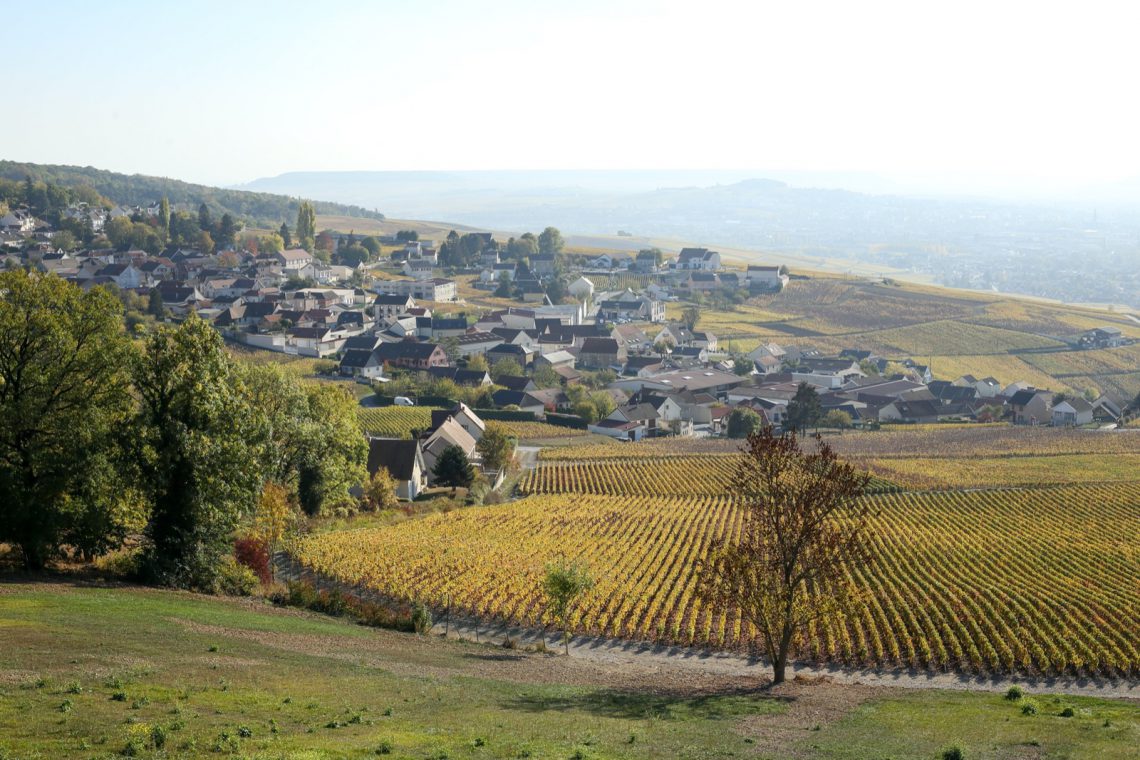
(403, 401)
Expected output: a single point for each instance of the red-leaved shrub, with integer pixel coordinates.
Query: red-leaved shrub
(254, 554)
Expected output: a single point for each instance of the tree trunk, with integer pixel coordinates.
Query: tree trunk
(779, 666)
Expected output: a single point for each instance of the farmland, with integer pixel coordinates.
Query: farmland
(955, 332)
(400, 421)
(1036, 580)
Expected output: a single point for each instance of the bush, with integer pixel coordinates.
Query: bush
(421, 618)
(1068, 712)
(235, 579)
(953, 752)
(254, 553)
(1029, 707)
(121, 564)
(1015, 693)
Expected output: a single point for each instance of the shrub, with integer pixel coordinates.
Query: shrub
(234, 579)
(254, 554)
(953, 752)
(1029, 707)
(384, 748)
(421, 618)
(1015, 693)
(1068, 712)
(120, 564)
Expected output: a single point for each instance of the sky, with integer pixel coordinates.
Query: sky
(1020, 94)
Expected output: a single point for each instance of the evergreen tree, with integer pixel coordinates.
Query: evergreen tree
(205, 221)
(286, 238)
(164, 217)
(804, 408)
(453, 469)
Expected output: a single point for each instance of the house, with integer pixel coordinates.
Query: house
(643, 366)
(476, 343)
(403, 461)
(412, 354)
(826, 373)
(293, 260)
(542, 264)
(447, 434)
(434, 289)
(600, 353)
(715, 383)
(698, 258)
(704, 340)
(555, 359)
(910, 411)
(516, 382)
(553, 399)
(622, 430)
(448, 327)
(759, 277)
(1103, 337)
(645, 261)
(420, 269)
(391, 305)
(361, 343)
(359, 362)
(521, 399)
(468, 378)
(628, 306)
(520, 354)
(1031, 406)
(315, 341)
(1072, 411)
(123, 275)
(630, 337)
(462, 414)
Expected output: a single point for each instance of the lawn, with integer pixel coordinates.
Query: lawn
(86, 668)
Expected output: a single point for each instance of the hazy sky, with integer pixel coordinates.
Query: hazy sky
(229, 91)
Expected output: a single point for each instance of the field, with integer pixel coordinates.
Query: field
(84, 668)
(956, 332)
(1036, 580)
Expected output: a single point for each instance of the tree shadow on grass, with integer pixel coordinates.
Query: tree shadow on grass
(661, 705)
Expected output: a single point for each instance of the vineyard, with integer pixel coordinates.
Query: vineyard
(981, 472)
(1034, 580)
(399, 421)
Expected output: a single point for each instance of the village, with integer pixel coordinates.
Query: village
(606, 361)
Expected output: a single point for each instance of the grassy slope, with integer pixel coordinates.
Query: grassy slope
(286, 677)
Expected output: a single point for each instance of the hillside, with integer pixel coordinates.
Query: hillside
(97, 672)
(258, 208)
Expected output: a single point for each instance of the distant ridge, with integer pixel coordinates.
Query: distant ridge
(261, 209)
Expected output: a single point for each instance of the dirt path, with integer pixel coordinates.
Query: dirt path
(673, 661)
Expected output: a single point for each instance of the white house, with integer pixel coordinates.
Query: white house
(293, 259)
(759, 277)
(1073, 411)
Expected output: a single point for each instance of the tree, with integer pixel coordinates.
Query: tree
(407, 236)
(205, 220)
(477, 362)
(271, 243)
(64, 240)
(154, 305)
(564, 583)
(306, 226)
(804, 531)
(837, 418)
(315, 448)
(522, 247)
(742, 365)
(164, 217)
(690, 315)
(353, 255)
(497, 446)
(63, 398)
(743, 422)
(380, 491)
(198, 441)
(453, 469)
(227, 230)
(803, 409)
(556, 290)
(550, 241)
(286, 238)
(274, 516)
(506, 287)
(506, 367)
(372, 245)
(119, 231)
(544, 376)
(205, 242)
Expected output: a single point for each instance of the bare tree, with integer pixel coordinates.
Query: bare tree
(804, 529)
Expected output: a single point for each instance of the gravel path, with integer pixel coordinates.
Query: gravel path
(674, 659)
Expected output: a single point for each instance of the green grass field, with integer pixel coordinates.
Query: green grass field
(85, 670)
